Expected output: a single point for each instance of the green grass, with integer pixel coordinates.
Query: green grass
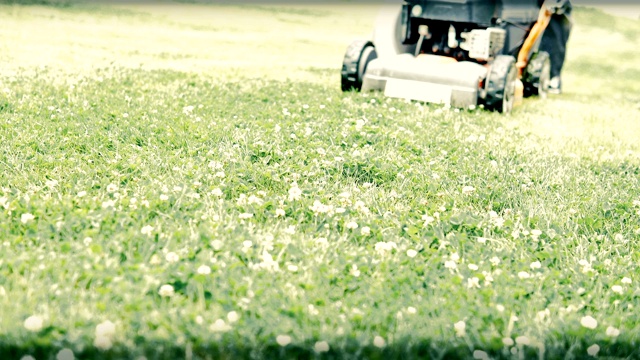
(520, 226)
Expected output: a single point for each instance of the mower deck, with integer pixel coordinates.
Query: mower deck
(428, 78)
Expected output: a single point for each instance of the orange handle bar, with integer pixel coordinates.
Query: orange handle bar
(536, 32)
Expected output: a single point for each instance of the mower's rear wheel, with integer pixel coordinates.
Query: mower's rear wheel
(537, 75)
(354, 65)
(500, 85)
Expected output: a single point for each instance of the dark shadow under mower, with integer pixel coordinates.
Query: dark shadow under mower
(463, 53)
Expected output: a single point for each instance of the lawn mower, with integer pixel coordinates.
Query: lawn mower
(463, 53)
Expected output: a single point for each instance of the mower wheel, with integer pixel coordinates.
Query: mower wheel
(500, 85)
(354, 65)
(537, 75)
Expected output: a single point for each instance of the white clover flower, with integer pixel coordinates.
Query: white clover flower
(524, 275)
(412, 253)
(612, 332)
(482, 240)
(494, 261)
(473, 267)
(106, 329)
(523, 340)
(500, 308)
(412, 310)
(320, 208)
(488, 279)
(450, 264)
(33, 323)
(216, 244)
(268, 262)
(508, 341)
(254, 200)
(172, 257)
(233, 316)
(219, 326)
(454, 256)
(626, 280)
(535, 265)
(593, 350)
(147, 230)
(187, 110)
(204, 270)
(105, 332)
(480, 355)
(112, 188)
(352, 225)
(427, 219)
(365, 231)
(280, 213)
(472, 138)
(216, 192)
(589, 322)
(51, 183)
(245, 216)
(466, 190)
(283, 340)
(103, 343)
(292, 268)
(617, 289)
(354, 270)
(542, 315)
(383, 246)
(360, 206)
(294, 193)
(65, 354)
(460, 328)
(25, 218)
(215, 165)
(166, 290)
(154, 260)
(473, 282)
(379, 342)
(108, 204)
(321, 346)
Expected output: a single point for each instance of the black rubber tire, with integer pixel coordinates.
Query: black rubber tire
(354, 65)
(537, 75)
(500, 85)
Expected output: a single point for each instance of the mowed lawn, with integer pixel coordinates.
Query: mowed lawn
(187, 181)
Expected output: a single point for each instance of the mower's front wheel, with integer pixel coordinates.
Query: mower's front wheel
(537, 75)
(500, 84)
(354, 65)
